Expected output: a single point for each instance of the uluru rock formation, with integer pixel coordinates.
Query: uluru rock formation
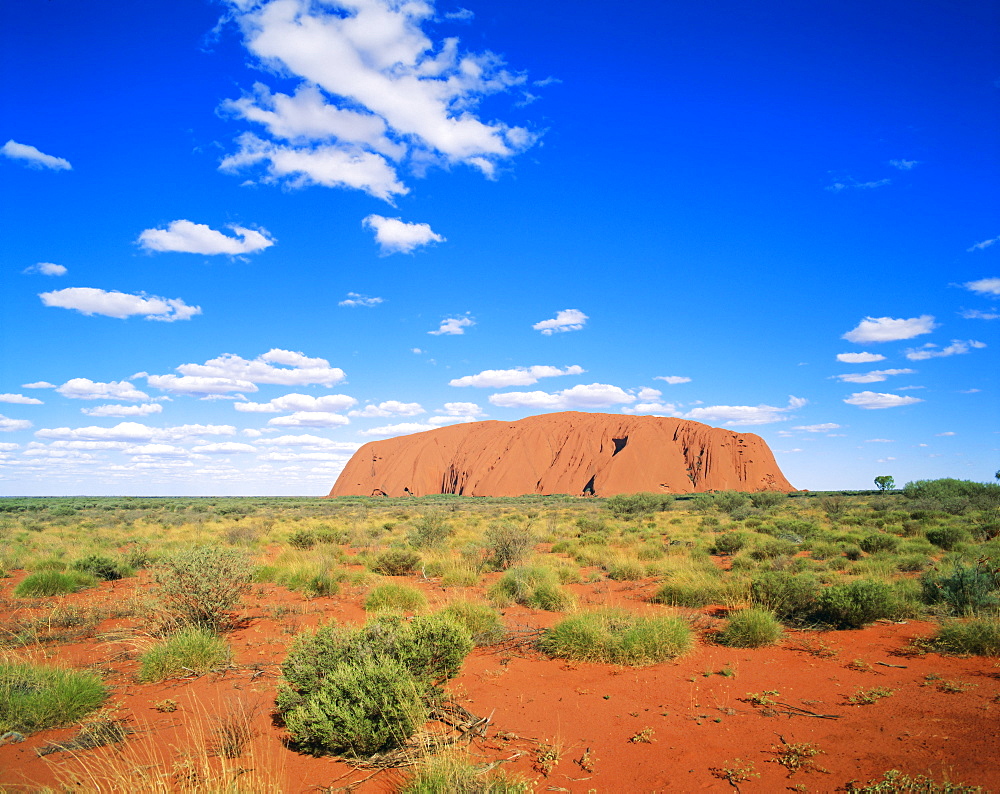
(563, 453)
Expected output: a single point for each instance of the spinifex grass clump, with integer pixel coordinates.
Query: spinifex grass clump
(202, 585)
(977, 637)
(965, 590)
(618, 636)
(359, 691)
(457, 773)
(481, 620)
(852, 605)
(103, 567)
(190, 650)
(49, 583)
(532, 586)
(396, 562)
(750, 628)
(33, 697)
(395, 598)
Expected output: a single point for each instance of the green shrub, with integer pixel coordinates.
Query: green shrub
(750, 628)
(978, 637)
(965, 590)
(690, 592)
(396, 562)
(481, 620)
(791, 597)
(532, 586)
(102, 567)
(302, 539)
(878, 541)
(852, 605)
(50, 583)
(729, 543)
(625, 569)
(507, 544)
(618, 636)
(395, 598)
(895, 782)
(638, 505)
(430, 531)
(728, 501)
(948, 537)
(192, 649)
(33, 697)
(773, 548)
(952, 496)
(359, 691)
(202, 585)
(765, 500)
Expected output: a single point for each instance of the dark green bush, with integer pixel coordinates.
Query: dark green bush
(302, 539)
(953, 496)
(773, 548)
(50, 583)
(964, 590)
(430, 531)
(947, 537)
(765, 500)
(728, 501)
(396, 562)
(638, 505)
(729, 543)
(102, 567)
(852, 605)
(791, 597)
(204, 584)
(878, 541)
(507, 544)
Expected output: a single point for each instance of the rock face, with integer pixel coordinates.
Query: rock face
(563, 453)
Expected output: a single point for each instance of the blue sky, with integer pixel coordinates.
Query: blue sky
(243, 238)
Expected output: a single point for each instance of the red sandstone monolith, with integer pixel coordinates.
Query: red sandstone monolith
(563, 453)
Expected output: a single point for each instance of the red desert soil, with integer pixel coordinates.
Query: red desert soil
(667, 727)
(563, 453)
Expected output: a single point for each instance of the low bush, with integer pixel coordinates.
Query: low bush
(33, 697)
(947, 537)
(302, 539)
(202, 585)
(456, 773)
(507, 544)
(878, 541)
(481, 620)
(532, 586)
(977, 637)
(395, 598)
(618, 636)
(728, 501)
(396, 562)
(854, 604)
(964, 590)
(791, 597)
(360, 691)
(765, 500)
(102, 567)
(192, 649)
(750, 628)
(50, 583)
(430, 531)
(638, 505)
(729, 543)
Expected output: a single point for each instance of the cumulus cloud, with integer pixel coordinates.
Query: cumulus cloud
(859, 358)
(388, 408)
(374, 92)
(8, 425)
(904, 165)
(278, 367)
(976, 314)
(90, 301)
(583, 396)
(461, 409)
(821, 428)
(309, 419)
(984, 286)
(145, 409)
(673, 380)
(745, 414)
(135, 432)
(930, 350)
(19, 399)
(565, 320)
(653, 408)
(298, 402)
(199, 386)
(223, 448)
(453, 326)
(87, 389)
(871, 399)
(197, 238)
(46, 269)
(394, 236)
(888, 329)
(355, 299)
(397, 430)
(308, 441)
(38, 384)
(518, 376)
(983, 245)
(875, 376)
(33, 157)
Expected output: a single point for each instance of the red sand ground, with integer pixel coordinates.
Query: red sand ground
(698, 720)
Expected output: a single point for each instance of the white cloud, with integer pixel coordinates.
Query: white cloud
(8, 425)
(198, 385)
(87, 389)
(879, 441)
(39, 384)
(888, 329)
(19, 399)
(46, 269)
(453, 326)
(461, 409)
(565, 320)
(821, 428)
(157, 451)
(389, 408)
(135, 432)
(355, 299)
(438, 421)
(859, 358)
(90, 301)
(298, 402)
(984, 286)
(518, 376)
(850, 182)
(307, 441)
(223, 448)
(373, 88)
(976, 314)
(875, 376)
(646, 393)
(403, 428)
(946, 433)
(871, 399)
(33, 157)
(309, 419)
(904, 165)
(278, 367)
(394, 236)
(957, 347)
(745, 414)
(673, 380)
(145, 409)
(593, 395)
(982, 246)
(197, 238)
(651, 408)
